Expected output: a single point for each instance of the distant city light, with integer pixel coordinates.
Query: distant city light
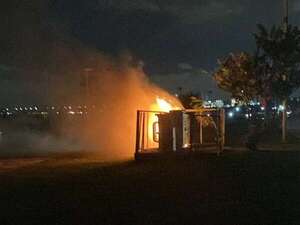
(281, 108)
(219, 103)
(233, 102)
(230, 114)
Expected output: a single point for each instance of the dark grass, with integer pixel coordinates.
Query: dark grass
(234, 188)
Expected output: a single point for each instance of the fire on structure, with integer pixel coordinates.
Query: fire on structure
(172, 129)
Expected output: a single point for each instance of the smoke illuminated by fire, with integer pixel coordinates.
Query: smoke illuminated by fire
(117, 87)
(123, 89)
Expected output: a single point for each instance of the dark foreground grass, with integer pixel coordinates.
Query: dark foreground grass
(235, 188)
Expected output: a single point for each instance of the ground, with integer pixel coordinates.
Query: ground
(233, 188)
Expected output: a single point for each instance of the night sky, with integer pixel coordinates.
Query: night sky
(174, 38)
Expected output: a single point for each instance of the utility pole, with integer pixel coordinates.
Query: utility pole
(87, 84)
(284, 104)
(47, 87)
(285, 15)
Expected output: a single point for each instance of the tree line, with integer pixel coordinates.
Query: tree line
(270, 74)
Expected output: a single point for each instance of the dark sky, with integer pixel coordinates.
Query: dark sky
(168, 32)
(163, 33)
(159, 31)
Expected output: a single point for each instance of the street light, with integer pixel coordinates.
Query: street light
(285, 14)
(285, 29)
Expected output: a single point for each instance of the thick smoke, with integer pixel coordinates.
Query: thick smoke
(122, 89)
(47, 65)
(113, 89)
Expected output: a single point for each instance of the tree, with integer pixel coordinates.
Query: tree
(237, 75)
(277, 61)
(191, 100)
(273, 73)
(278, 57)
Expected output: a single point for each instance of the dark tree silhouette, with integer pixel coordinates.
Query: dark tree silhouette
(237, 74)
(278, 63)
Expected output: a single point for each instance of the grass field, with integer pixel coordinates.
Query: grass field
(234, 188)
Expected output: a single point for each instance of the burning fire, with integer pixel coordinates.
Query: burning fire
(160, 105)
(163, 105)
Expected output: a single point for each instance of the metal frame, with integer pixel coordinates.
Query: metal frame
(218, 115)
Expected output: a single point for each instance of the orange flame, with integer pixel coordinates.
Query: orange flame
(163, 105)
(160, 105)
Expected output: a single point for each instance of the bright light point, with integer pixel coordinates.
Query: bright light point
(185, 145)
(262, 108)
(237, 109)
(230, 114)
(164, 105)
(281, 108)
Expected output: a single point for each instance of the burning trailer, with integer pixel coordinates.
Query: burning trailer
(179, 132)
